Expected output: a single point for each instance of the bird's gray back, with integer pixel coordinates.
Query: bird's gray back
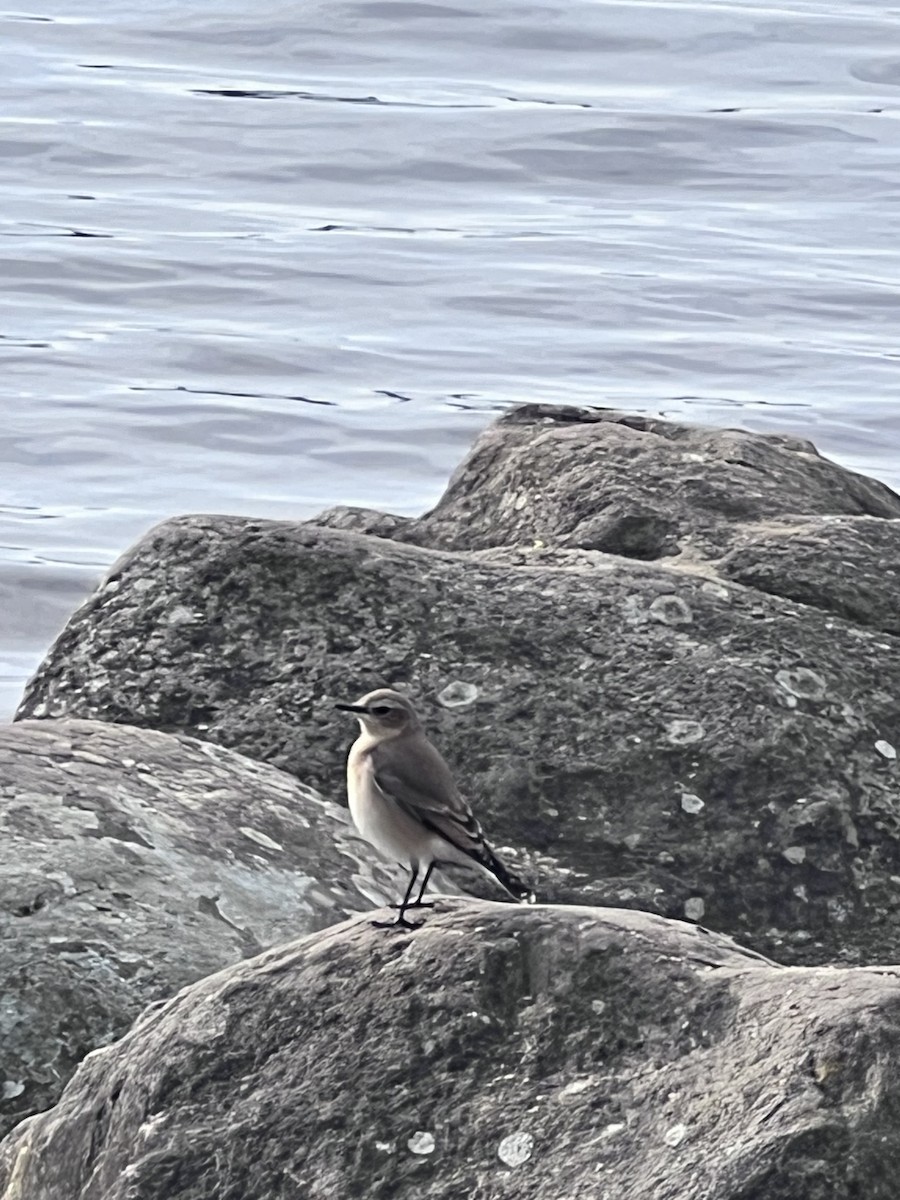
(418, 774)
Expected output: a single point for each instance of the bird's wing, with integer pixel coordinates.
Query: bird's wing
(417, 778)
(412, 774)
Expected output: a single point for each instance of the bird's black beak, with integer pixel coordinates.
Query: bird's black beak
(354, 708)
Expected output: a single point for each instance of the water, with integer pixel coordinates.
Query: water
(264, 262)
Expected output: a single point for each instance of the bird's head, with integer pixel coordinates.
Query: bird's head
(383, 713)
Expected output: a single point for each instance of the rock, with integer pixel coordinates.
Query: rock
(136, 862)
(849, 566)
(597, 479)
(580, 695)
(362, 520)
(497, 1052)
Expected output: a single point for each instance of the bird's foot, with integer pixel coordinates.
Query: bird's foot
(400, 922)
(415, 904)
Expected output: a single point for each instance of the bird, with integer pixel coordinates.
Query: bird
(404, 802)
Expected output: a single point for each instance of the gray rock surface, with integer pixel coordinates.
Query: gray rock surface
(596, 479)
(849, 566)
(647, 733)
(498, 1052)
(135, 862)
(363, 520)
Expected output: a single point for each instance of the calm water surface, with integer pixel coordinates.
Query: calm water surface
(267, 262)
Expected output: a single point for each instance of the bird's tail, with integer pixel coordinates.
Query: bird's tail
(521, 891)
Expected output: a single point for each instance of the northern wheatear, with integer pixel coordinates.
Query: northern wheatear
(404, 802)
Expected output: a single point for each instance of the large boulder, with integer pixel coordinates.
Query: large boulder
(551, 481)
(498, 1052)
(595, 479)
(700, 723)
(135, 862)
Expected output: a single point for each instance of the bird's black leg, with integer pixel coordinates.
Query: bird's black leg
(404, 903)
(419, 902)
(403, 906)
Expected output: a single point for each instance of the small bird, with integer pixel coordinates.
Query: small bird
(404, 802)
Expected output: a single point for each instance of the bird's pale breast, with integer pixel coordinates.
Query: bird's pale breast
(379, 819)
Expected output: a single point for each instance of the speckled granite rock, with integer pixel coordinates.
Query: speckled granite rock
(135, 862)
(849, 566)
(363, 520)
(647, 733)
(498, 1052)
(597, 479)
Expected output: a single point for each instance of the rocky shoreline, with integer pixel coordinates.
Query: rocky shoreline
(664, 662)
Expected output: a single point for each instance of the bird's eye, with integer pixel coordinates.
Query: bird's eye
(382, 710)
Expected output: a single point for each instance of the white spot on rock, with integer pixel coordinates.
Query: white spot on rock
(715, 589)
(260, 838)
(795, 854)
(802, 683)
(421, 1142)
(577, 1086)
(152, 1124)
(681, 731)
(181, 615)
(694, 908)
(612, 1130)
(598, 1006)
(516, 1149)
(670, 610)
(458, 694)
(11, 1088)
(885, 749)
(691, 803)
(676, 1135)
